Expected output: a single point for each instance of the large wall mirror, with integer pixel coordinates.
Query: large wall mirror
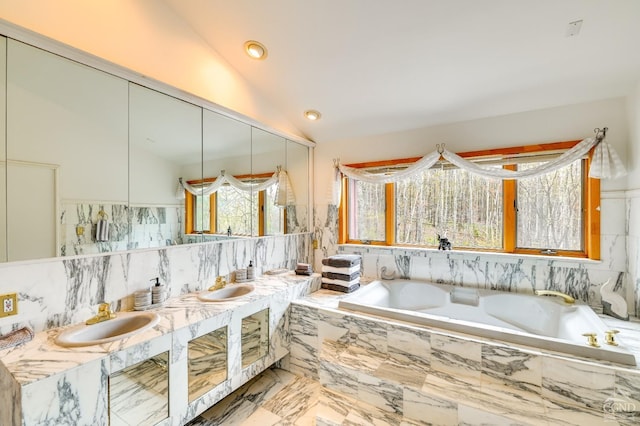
(67, 155)
(165, 144)
(226, 150)
(94, 163)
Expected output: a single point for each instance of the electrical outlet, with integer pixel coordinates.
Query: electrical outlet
(8, 304)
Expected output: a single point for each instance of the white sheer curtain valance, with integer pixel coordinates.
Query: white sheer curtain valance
(605, 164)
(284, 194)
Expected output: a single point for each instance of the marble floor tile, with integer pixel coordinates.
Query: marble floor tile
(333, 408)
(262, 417)
(294, 400)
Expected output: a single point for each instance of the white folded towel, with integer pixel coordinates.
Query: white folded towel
(340, 282)
(344, 271)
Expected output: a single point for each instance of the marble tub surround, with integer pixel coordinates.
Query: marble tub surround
(579, 278)
(620, 254)
(64, 378)
(62, 291)
(429, 375)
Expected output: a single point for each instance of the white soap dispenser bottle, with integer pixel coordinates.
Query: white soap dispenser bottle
(251, 271)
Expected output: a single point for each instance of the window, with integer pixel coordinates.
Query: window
(202, 209)
(549, 209)
(467, 207)
(245, 213)
(556, 213)
(367, 207)
(236, 210)
(274, 216)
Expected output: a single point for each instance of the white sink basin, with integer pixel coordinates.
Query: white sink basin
(125, 324)
(232, 292)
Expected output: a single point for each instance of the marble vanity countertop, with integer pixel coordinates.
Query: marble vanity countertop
(629, 330)
(42, 357)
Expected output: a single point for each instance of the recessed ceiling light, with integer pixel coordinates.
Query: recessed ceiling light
(255, 49)
(312, 115)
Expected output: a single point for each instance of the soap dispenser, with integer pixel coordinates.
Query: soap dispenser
(251, 271)
(157, 291)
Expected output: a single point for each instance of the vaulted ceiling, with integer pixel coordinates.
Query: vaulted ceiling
(381, 66)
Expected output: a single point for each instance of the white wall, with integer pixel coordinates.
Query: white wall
(145, 36)
(67, 114)
(570, 122)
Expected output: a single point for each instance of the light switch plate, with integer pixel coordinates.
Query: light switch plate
(8, 304)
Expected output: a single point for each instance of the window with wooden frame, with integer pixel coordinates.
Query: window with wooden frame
(554, 214)
(245, 213)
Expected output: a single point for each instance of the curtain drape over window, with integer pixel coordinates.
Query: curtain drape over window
(284, 195)
(606, 164)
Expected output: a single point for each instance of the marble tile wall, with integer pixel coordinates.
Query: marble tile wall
(81, 218)
(61, 291)
(155, 226)
(577, 277)
(297, 218)
(413, 375)
(633, 247)
(129, 227)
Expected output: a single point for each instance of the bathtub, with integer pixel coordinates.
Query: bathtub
(537, 321)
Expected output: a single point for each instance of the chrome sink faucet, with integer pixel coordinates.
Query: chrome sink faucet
(104, 314)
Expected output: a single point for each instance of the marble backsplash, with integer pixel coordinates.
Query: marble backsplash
(580, 278)
(129, 227)
(62, 291)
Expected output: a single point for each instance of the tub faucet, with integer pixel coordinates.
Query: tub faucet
(567, 299)
(104, 314)
(386, 275)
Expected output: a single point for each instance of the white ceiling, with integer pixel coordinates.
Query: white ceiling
(379, 66)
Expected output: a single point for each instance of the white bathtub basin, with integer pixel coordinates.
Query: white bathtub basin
(516, 318)
(125, 324)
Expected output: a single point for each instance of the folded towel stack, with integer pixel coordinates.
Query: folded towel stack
(303, 269)
(341, 272)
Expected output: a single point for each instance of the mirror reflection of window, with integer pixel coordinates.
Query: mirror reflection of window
(274, 216)
(236, 210)
(202, 211)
